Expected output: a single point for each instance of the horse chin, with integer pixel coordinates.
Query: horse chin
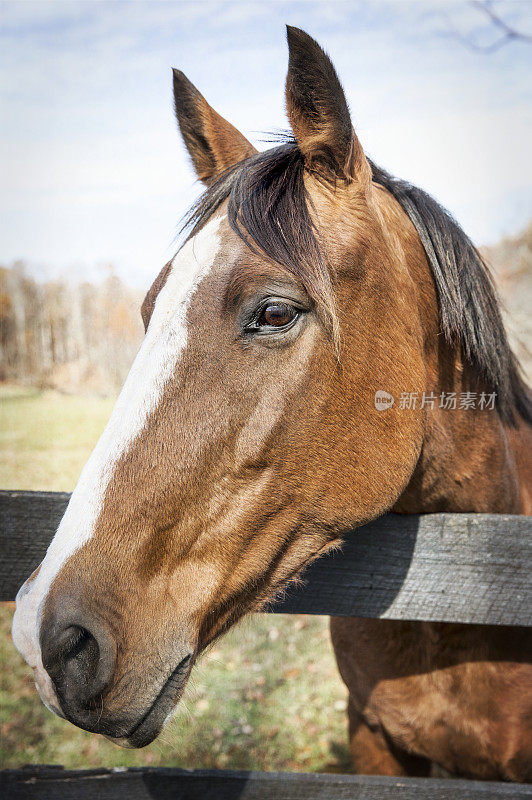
(149, 728)
(161, 710)
(121, 742)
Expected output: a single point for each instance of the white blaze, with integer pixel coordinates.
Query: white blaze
(153, 367)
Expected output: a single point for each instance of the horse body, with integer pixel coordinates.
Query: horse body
(247, 440)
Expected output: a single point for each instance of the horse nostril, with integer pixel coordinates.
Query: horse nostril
(78, 650)
(79, 661)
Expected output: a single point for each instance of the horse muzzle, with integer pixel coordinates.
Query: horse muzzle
(95, 692)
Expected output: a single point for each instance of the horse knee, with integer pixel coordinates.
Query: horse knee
(373, 753)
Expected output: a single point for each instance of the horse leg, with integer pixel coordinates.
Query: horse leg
(372, 753)
(362, 649)
(455, 695)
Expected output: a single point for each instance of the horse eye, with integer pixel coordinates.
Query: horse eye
(276, 315)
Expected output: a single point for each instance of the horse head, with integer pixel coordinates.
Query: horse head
(247, 437)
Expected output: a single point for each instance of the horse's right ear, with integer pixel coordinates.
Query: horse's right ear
(212, 142)
(318, 112)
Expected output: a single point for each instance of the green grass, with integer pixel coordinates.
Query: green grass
(46, 437)
(268, 695)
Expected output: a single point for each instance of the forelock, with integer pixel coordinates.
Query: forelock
(269, 208)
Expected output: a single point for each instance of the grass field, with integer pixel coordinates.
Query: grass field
(267, 697)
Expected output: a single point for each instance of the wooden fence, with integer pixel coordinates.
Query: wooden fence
(466, 568)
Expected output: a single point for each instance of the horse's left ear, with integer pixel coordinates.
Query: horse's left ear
(318, 112)
(212, 142)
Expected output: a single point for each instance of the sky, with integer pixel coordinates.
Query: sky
(93, 170)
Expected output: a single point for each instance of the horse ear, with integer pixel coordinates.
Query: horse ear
(212, 142)
(318, 112)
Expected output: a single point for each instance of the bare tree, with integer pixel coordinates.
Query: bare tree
(65, 335)
(503, 31)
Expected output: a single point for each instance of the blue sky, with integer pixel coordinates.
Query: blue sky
(93, 170)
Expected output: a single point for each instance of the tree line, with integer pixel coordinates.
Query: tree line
(64, 335)
(83, 337)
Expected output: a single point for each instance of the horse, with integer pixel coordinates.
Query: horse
(247, 440)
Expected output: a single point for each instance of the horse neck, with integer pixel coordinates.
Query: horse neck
(470, 465)
(470, 460)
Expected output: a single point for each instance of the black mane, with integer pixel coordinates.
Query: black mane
(268, 209)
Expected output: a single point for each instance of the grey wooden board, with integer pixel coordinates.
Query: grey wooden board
(49, 783)
(469, 568)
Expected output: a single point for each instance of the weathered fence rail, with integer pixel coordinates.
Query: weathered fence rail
(467, 568)
(54, 783)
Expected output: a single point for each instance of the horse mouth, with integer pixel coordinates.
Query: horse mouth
(151, 724)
